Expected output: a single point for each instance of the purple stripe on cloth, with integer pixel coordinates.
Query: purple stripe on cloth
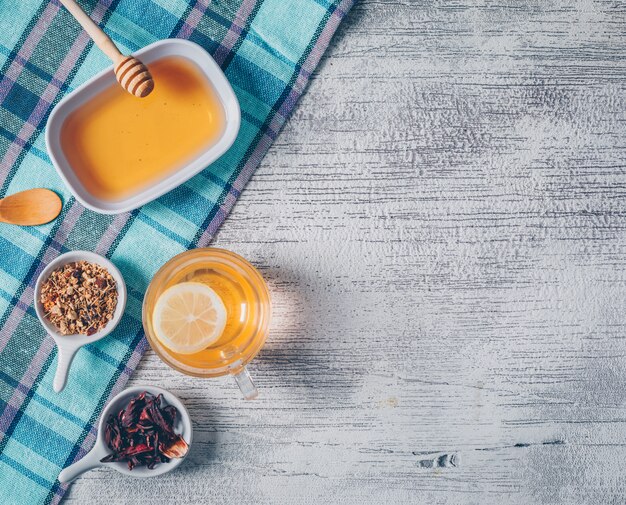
(25, 52)
(22, 61)
(50, 93)
(18, 311)
(275, 125)
(214, 224)
(17, 398)
(4, 426)
(195, 15)
(253, 161)
(21, 304)
(234, 31)
(16, 315)
(19, 142)
(111, 233)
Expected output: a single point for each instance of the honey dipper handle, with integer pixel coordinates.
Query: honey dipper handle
(100, 38)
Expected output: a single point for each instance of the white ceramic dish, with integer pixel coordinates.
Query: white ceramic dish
(100, 450)
(100, 82)
(68, 345)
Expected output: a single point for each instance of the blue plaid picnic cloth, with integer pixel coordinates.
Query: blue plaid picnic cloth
(268, 50)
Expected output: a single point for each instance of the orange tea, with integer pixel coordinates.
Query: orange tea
(117, 144)
(209, 297)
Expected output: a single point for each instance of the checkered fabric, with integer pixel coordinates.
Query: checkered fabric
(267, 49)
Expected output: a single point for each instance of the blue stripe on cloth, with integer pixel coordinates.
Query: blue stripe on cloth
(253, 79)
(49, 444)
(20, 101)
(162, 229)
(11, 137)
(25, 471)
(19, 262)
(58, 410)
(138, 12)
(203, 40)
(180, 201)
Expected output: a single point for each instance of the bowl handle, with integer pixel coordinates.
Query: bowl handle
(65, 355)
(90, 461)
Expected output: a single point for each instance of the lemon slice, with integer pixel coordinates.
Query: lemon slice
(188, 317)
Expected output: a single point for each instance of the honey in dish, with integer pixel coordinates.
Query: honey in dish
(117, 143)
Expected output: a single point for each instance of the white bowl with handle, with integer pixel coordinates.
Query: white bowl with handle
(68, 345)
(91, 460)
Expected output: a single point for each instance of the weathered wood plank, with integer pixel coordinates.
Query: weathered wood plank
(442, 223)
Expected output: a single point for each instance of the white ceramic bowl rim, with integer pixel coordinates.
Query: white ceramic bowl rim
(105, 79)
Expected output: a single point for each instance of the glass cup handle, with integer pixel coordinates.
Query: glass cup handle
(247, 387)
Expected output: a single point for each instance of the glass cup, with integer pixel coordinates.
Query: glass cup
(247, 301)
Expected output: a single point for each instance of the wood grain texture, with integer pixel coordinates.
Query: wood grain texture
(443, 227)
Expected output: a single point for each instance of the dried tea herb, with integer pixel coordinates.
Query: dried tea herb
(142, 433)
(79, 298)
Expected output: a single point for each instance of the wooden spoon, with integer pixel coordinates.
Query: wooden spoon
(30, 207)
(132, 75)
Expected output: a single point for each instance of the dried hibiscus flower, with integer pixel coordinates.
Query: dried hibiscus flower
(142, 433)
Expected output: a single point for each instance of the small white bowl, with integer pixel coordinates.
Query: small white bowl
(105, 79)
(68, 345)
(100, 450)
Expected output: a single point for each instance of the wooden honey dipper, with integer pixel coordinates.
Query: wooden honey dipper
(132, 75)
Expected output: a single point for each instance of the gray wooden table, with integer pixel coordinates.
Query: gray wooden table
(443, 226)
